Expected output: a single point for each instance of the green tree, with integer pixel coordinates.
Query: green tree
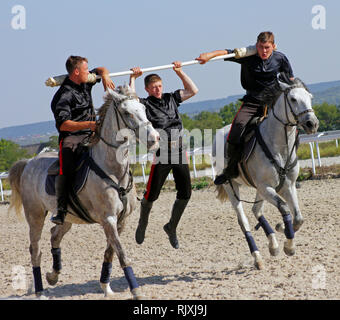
(9, 153)
(53, 142)
(328, 115)
(229, 111)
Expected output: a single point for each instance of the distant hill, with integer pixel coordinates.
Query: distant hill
(322, 92)
(29, 133)
(331, 96)
(193, 108)
(40, 132)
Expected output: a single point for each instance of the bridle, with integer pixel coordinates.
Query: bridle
(287, 102)
(283, 171)
(119, 116)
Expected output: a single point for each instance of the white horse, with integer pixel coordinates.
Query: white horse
(108, 195)
(272, 166)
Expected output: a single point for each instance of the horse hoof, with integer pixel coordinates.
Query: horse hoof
(289, 249)
(108, 293)
(280, 228)
(274, 251)
(52, 278)
(137, 294)
(259, 265)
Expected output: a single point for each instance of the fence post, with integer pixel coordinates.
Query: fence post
(312, 156)
(194, 162)
(2, 191)
(143, 169)
(212, 166)
(318, 153)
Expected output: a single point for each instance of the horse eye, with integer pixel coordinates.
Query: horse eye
(293, 100)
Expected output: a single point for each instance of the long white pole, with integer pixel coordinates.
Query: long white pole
(58, 80)
(169, 66)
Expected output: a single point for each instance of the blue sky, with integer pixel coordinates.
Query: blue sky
(123, 34)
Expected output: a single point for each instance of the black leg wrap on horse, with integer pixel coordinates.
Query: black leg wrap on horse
(289, 231)
(106, 272)
(56, 254)
(130, 277)
(37, 279)
(251, 242)
(265, 226)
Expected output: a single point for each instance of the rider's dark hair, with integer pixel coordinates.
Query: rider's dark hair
(74, 62)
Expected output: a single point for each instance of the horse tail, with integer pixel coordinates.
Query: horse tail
(222, 194)
(14, 177)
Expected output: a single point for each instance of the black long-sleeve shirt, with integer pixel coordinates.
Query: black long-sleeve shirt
(257, 74)
(73, 102)
(163, 113)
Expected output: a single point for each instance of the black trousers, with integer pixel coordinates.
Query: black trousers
(68, 155)
(246, 112)
(158, 175)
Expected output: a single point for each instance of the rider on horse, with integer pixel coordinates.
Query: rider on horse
(75, 119)
(257, 72)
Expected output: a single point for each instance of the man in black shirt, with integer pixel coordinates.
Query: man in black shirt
(162, 112)
(75, 120)
(257, 72)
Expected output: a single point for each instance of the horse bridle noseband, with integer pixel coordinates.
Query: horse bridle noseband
(296, 116)
(119, 115)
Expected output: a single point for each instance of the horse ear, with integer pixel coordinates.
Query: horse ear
(283, 81)
(113, 95)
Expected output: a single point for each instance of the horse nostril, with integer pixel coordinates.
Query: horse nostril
(310, 124)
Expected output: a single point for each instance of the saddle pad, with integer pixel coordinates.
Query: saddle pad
(248, 148)
(82, 172)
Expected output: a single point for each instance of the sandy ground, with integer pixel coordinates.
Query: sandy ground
(213, 261)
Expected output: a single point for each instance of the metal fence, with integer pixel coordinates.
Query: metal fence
(311, 139)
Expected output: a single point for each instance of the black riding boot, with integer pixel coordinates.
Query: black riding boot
(176, 213)
(231, 171)
(145, 208)
(61, 189)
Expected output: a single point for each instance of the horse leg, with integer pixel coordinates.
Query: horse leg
(111, 232)
(290, 195)
(244, 224)
(57, 233)
(269, 194)
(35, 221)
(257, 210)
(106, 271)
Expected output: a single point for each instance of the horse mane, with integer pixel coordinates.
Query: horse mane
(270, 94)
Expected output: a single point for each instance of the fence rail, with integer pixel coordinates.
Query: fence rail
(311, 139)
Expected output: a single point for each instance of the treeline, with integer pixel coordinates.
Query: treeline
(328, 115)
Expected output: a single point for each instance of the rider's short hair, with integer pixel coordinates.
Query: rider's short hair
(74, 62)
(266, 36)
(151, 78)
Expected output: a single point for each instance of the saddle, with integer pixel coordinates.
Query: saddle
(82, 172)
(247, 149)
(85, 163)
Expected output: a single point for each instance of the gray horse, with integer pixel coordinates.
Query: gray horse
(108, 196)
(272, 166)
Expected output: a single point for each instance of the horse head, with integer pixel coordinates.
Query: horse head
(130, 114)
(294, 103)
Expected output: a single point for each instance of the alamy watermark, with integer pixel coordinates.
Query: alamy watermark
(319, 277)
(18, 21)
(19, 280)
(319, 17)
